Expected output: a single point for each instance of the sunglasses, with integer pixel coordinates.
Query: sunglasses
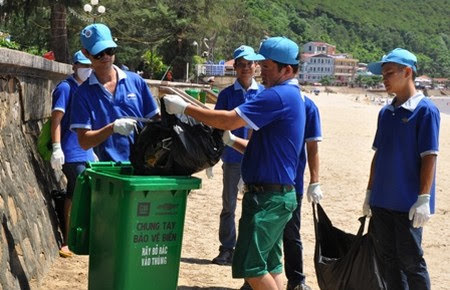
(244, 65)
(109, 51)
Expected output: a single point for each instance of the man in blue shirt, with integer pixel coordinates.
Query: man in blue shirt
(67, 153)
(269, 166)
(292, 244)
(244, 88)
(401, 190)
(106, 106)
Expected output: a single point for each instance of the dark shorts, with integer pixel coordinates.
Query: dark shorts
(71, 171)
(258, 249)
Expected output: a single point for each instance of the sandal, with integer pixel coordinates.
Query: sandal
(65, 252)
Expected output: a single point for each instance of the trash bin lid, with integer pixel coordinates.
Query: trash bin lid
(147, 182)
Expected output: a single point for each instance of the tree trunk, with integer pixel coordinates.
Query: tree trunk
(58, 28)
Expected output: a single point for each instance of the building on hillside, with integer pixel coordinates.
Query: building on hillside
(315, 47)
(319, 60)
(441, 83)
(423, 81)
(314, 67)
(345, 69)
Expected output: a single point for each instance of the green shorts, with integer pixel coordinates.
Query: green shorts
(258, 248)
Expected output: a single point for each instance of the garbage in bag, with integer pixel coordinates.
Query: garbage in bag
(175, 145)
(344, 261)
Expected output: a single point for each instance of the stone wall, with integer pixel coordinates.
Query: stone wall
(29, 234)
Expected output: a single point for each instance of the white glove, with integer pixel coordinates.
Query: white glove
(420, 211)
(175, 104)
(314, 193)
(228, 138)
(96, 158)
(209, 172)
(366, 206)
(57, 159)
(124, 126)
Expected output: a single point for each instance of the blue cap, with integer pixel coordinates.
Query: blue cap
(280, 49)
(78, 57)
(243, 51)
(96, 38)
(398, 55)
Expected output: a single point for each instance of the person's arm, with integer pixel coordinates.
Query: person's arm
(419, 213)
(366, 205)
(57, 159)
(56, 126)
(91, 138)
(312, 148)
(372, 172)
(427, 170)
(314, 192)
(221, 119)
(240, 144)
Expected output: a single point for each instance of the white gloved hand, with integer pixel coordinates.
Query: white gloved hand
(366, 206)
(57, 158)
(314, 193)
(228, 138)
(175, 104)
(96, 158)
(420, 211)
(209, 172)
(124, 126)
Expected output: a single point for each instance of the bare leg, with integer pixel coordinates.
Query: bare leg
(264, 282)
(65, 252)
(67, 209)
(278, 279)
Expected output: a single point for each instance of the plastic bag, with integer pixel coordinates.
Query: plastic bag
(44, 141)
(175, 145)
(344, 261)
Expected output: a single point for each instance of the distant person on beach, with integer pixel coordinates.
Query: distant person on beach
(67, 153)
(244, 88)
(270, 159)
(292, 244)
(105, 106)
(400, 194)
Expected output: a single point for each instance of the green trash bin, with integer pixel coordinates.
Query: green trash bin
(135, 228)
(193, 93)
(216, 90)
(78, 239)
(203, 97)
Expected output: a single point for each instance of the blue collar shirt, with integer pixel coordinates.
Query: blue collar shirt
(404, 135)
(94, 107)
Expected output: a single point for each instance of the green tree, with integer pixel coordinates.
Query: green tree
(154, 67)
(57, 34)
(327, 80)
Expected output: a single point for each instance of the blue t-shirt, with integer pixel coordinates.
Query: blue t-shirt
(313, 132)
(94, 107)
(228, 99)
(277, 116)
(61, 101)
(404, 135)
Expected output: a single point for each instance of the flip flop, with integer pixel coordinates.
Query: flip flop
(65, 252)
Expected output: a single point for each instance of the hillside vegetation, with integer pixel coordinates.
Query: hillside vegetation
(166, 29)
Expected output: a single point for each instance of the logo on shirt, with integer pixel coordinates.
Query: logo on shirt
(131, 96)
(405, 120)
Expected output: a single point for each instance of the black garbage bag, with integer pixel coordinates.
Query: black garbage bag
(175, 145)
(344, 261)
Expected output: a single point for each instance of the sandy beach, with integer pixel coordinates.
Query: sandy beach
(348, 129)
